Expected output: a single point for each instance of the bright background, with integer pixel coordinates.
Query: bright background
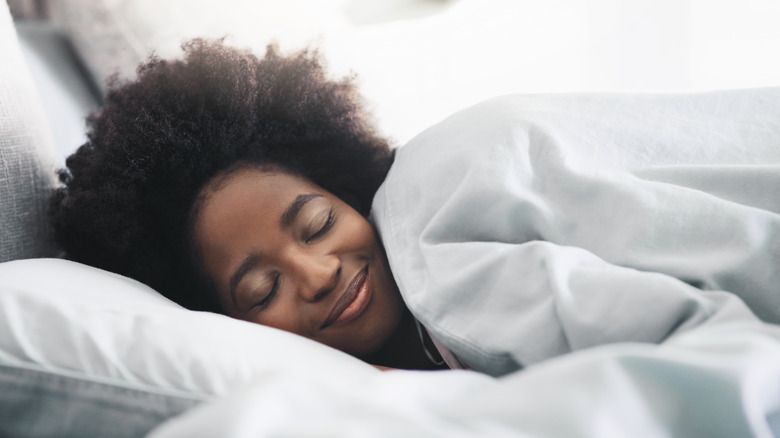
(418, 61)
(472, 49)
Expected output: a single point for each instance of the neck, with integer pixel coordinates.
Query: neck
(404, 349)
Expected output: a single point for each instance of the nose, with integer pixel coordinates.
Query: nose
(317, 275)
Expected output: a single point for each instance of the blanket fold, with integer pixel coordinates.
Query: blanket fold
(527, 227)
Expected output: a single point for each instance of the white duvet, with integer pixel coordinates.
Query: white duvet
(527, 227)
(716, 381)
(594, 251)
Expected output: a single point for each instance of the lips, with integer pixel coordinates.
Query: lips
(352, 302)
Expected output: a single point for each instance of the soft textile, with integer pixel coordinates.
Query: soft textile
(42, 403)
(715, 381)
(113, 37)
(530, 226)
(82, 345)
(27, 157)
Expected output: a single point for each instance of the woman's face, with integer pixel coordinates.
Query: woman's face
(285, 253)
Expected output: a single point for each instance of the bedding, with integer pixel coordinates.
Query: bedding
(714, 381)
(84, 350)
(87, 353)
(531, 226)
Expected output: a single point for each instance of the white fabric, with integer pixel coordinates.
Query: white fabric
(531, 226)
(80, 321)
(718, 381)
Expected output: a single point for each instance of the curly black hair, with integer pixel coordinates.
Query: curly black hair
(128, 192)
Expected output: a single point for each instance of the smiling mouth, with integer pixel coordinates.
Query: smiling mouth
(353, 302)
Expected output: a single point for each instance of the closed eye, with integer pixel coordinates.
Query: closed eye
(331, 219)
(265, 302)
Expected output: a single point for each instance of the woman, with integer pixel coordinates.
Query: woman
(146, 195)
(243, 186)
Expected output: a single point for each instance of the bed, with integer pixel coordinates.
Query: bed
(84, 352)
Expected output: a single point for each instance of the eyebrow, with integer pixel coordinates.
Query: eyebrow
(289, 215)
(247, 265)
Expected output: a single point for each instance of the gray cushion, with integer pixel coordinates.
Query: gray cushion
(41, 403)
(100, 36)
(113, 37)
(27, 156)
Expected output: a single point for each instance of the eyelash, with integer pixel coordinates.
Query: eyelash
(327, 226)
(267, 300)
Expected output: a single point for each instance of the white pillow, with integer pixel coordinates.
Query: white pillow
(65, 317)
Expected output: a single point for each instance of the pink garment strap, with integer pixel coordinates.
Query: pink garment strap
(449, 357)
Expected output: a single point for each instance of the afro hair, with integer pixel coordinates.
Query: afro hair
(128, 192)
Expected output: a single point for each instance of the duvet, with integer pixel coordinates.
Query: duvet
(528, 227)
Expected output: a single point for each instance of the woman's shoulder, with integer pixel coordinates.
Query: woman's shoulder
(491, 136)
(455, 163)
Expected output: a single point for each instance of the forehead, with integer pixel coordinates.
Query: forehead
(255, 184)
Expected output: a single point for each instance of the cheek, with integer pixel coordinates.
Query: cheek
(361, 234)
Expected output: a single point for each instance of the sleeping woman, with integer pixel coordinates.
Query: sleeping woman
(506, 235)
